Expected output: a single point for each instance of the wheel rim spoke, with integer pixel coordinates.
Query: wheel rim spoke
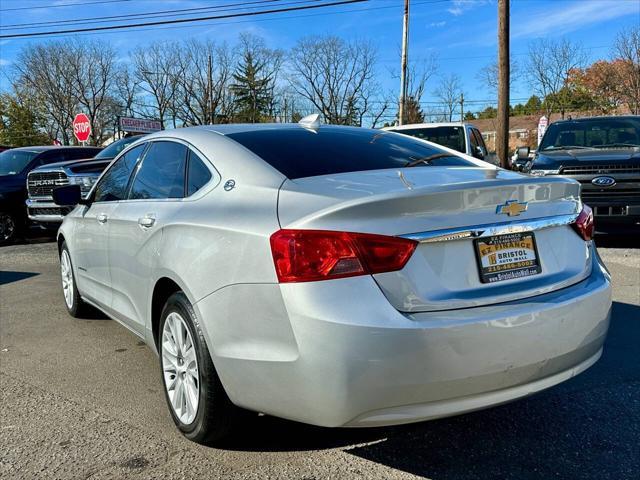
(180, 368)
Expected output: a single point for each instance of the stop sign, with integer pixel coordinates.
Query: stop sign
(81, 127)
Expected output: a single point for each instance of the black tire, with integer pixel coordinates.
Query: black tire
(10, 229)
(215, 415)
(78, 308)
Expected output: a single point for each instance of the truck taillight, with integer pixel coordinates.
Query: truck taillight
(312, 255)
(584, 223)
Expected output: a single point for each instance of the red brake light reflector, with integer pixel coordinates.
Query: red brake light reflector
(584, 224)
(311, 255)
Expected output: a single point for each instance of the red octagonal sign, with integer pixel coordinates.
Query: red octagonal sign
(81, 127)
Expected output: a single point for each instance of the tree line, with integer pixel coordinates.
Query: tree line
(195, 82)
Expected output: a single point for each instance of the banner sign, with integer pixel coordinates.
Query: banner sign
(139, 125)
(542, 127)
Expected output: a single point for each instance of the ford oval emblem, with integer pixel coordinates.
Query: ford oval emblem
(604, 181)
(229, 185)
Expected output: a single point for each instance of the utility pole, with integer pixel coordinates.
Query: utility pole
(502, 131)
(403, 71)
(210, 88)
(461, 107)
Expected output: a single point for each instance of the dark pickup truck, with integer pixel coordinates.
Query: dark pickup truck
(603, 154)
(15, 164)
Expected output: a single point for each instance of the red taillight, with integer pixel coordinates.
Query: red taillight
(584, 223)
(310, 255)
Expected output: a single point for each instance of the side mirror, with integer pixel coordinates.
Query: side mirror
(67, 195)
(523, 153)
(478, 152)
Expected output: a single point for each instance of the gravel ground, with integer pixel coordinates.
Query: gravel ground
(83, 399)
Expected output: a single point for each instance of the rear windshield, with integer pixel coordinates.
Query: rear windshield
(299, 153)
(451, 137)
(593, 133)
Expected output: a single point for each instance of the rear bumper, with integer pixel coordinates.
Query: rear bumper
(337, 354)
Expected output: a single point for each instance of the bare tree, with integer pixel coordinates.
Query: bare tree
(550, 64)
(627, 48)
(93, 73)
(418, 75)
(158, 69)
(199, 101)
(488, 75)
(127, 89)
(336, 76)
(45, 71)
(449, 91)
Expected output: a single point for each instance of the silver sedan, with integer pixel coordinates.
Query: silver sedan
(336, 276)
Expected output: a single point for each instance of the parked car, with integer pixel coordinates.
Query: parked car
(15, 164)
(336, 276)
(84, 172)
(462, 137)
(603, 154)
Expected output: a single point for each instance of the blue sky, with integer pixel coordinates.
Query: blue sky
(462, 33)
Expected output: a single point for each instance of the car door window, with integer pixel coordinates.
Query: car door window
(162, 172)
(198, 174)
(473, 142)
(113, 184)
(480, 140)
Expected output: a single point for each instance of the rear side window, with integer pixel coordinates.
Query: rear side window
(113, 184)
(297, 152)
(162, 173)
(198, 174)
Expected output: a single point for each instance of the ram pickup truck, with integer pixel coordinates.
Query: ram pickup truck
(15, 164)
(603, 154)
(463, 137)
(84, 172)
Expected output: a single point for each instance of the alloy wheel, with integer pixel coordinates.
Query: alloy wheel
(180, 368)
(67, 278)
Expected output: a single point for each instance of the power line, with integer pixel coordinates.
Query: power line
(130, 16)
(278, 18)
(63, 5)
(182, 20)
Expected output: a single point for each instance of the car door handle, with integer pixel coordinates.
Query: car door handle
(146, 221)
(102, 217)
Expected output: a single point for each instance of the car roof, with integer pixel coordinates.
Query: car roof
(231, 128)
(426, 125)
(600, 117)
(45, 148)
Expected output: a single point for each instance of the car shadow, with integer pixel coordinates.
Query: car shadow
(92, 313)
(584, 428)
(618, 241)
(7, 277)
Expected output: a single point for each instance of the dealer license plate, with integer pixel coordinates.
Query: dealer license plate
(505, 257)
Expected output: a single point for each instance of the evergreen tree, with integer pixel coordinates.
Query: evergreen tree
(20, 126)
(252, 88)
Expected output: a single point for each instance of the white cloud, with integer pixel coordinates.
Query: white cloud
(438, 24)
(570, 17)
(461, 6)
(4, 63)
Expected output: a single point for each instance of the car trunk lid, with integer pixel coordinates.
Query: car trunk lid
(429, 202)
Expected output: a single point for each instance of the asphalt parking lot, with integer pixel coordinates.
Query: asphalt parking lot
(83, 399)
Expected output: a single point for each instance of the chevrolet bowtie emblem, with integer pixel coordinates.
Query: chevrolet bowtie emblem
(513, 208)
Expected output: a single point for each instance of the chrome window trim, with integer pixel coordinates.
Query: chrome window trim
(487, 230)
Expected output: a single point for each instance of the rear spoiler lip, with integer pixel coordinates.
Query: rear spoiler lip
(490, 229)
